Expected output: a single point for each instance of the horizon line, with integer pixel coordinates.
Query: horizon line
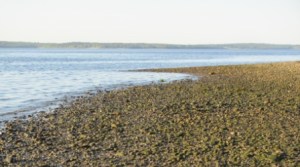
(152, 43)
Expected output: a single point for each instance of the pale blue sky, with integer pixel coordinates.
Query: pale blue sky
(151, 21)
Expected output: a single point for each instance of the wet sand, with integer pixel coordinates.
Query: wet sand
(247, 115)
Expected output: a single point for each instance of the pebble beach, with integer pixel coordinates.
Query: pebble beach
(237, 115)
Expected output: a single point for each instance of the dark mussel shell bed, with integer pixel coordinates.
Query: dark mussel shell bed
(244, 115)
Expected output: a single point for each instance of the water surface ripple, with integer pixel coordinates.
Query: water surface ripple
(35, 78)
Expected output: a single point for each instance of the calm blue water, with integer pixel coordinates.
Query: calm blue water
(34, 78)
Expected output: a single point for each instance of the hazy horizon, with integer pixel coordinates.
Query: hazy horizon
(151, 22)
(148, 43)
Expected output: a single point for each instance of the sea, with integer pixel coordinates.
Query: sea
(34, 80)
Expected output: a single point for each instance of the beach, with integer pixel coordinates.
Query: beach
(237, 115)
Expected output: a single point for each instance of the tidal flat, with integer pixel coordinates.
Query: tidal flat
(241, 115)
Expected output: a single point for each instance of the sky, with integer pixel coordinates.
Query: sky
(151, 21)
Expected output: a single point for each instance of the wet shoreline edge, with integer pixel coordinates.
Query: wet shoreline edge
(67, 100)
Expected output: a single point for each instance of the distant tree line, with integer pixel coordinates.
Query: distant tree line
(5, 44)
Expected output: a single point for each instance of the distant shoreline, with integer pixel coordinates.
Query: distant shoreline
(94, 45)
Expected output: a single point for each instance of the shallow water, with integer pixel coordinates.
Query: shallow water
(32, 79)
